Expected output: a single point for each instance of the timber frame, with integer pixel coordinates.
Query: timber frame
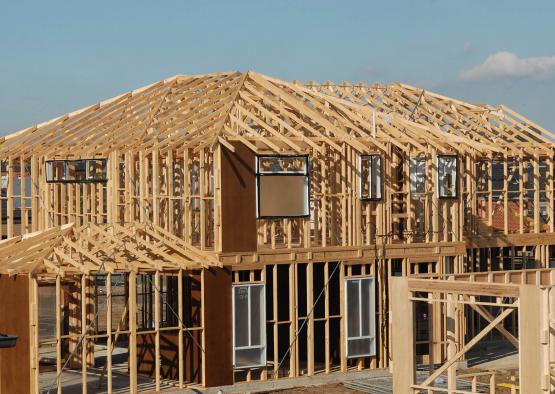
(178, 209)
(530, 294)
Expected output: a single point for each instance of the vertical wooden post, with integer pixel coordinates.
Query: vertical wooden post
(10, 205)
(34, 194)
(34, 320)
(157, 329)
(84, 327)
(293, 319)
(506, 195)
(342, 331)
(521, 193)
(187, 196)
(109, 344)
(490, 193)
(403, 336)
(217, 163)
(275, 318)
(180, 334)
(156, 187)
(58, 334)
(327, 316)
(545, 339)
(549, 193)
(203, 324)
(323, 200)
(170, 174)
(132, 332)
(310, 326)
(202, 202)
(451, 341)
(551, 320)
(142, 185)
(529, 329)
(435, 199)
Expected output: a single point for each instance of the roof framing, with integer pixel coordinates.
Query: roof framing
(269, 114)
(100, 248)
(498, 129)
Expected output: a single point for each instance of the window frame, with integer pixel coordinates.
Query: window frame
(65, 164)
(438, 188)
(381, 183)
(305, 174)
(263, 341)
(411, 183)
(75, 163)
(46, 171)
(371, 314)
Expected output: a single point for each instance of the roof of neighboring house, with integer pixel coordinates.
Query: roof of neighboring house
(513, 217)
(269, 114)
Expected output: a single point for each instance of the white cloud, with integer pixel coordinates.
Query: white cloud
(507, 64)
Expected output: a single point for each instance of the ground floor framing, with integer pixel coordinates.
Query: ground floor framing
(273, 318)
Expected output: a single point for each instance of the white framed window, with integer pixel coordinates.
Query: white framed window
(55, 171)
(76, 171)
(282, 186)
(417, 174)
(360, 323)
(447, 176)
(249, 325)
(370, 177)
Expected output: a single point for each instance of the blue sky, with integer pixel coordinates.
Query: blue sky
(58, 56)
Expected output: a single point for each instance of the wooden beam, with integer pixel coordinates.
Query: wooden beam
(403, 352)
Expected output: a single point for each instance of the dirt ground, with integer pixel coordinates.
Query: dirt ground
(327, 388)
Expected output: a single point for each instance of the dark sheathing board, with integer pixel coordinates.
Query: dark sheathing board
(15, 372)
(238, 182)
(218, 350)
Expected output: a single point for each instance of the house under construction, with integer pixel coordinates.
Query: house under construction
(234, 227)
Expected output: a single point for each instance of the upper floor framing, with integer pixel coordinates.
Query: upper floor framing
(383, 165)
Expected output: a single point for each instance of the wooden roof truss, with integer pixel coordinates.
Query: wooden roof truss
(270, 115)
(498, 129)
(100, 248)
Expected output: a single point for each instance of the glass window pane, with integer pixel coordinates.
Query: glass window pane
(365, 178)
(282, 164)
(249, 357)
(365, 306)
(55, 171)
(76, 170)
(447, 176)
(249, 320)
(376, 180)
(98, 170)
(353, 309)
(241, 315)
(371, 177)
(359, 347)
(417, 174)
(283, 196)
(257, 315)
(360, 316)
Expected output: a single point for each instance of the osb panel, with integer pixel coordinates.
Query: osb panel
(218, 327)
(238, 199)
(15, 371)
